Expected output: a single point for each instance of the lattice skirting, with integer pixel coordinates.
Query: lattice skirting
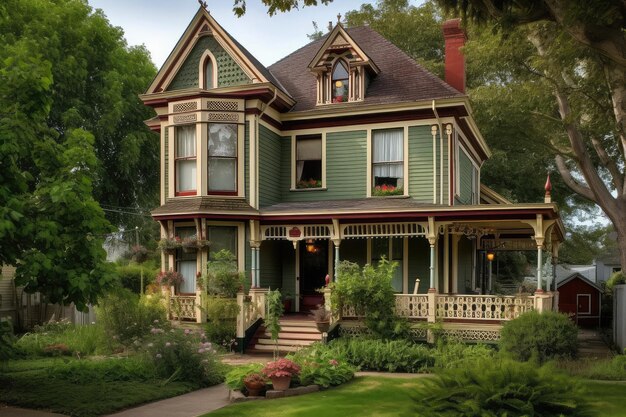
(420, 333)
(473, 335)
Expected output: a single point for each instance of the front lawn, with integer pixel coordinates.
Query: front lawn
(381, 396)
(54, 384)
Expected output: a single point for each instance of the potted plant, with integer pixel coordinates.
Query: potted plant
(255, 383)
(169, 278)
(322, 318)
(287, 302)
(280, 373)
(189, 244)
(169, 245)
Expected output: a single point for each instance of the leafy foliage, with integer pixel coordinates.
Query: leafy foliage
(78, 340)
(383, 355)
(127, 317)
(501, 388)
(281, 368)
(7, 339)
(543, 336)
(223, 278)
(371, 294)
(129, 276)
(235, 377)
(320, 366)
(72, 136)
(222, 320)
(274, 312)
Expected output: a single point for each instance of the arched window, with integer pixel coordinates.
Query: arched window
(208, 74)
(340, 82)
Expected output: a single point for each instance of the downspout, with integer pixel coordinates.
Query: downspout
(256, 150)
(440, 158)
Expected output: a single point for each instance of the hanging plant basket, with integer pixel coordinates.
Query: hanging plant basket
(170, 245)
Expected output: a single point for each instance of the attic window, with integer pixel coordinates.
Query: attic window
(207, 71)
(208, 74)
(340, 82)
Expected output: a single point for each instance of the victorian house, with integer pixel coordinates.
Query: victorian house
(346, 149)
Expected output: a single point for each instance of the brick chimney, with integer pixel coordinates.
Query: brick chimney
(455, 38)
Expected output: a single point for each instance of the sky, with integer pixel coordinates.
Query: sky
(158, 24)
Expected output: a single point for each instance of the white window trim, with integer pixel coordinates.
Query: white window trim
(293, 164)
(203, 169)
(201, 67)
(405, 165)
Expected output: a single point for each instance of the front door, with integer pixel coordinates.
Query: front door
(313, 270)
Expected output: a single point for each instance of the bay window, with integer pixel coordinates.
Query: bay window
(185, 160)
(387, 162)
(222, 158)
(186, 262)
(222, 238)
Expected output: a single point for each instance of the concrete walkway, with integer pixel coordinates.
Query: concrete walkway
(7, 411)
(192, 404)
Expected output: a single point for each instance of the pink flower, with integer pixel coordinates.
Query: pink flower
(333, 362)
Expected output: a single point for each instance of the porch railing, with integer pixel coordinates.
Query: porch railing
(483, 307)
(251, 308)
(463, 307)
(183, 307)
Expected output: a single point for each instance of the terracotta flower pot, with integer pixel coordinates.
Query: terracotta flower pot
(281, 383)
(254, 388)
(323, 326)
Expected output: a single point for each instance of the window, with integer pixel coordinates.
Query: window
(222, 237)
(392, 249)
(186, 263)
(387, 162)
(309, 161)
(208, 74)
(222, 160)
(185, 160)
(340, 82)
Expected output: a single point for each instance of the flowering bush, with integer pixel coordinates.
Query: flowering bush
(281, 368)
(185, 356)
(169, 278)
(254, 378)
(382, 190)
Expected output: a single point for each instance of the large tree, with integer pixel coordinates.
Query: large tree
(71, 137)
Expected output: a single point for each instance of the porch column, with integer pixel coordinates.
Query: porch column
(252, 268)
(255, 256)
(432, 240)
(257, 265)
(539, 265)
(336, 243)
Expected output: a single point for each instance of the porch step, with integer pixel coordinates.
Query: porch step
(295, 334)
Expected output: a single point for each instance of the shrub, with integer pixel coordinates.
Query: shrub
(454, 354)
(222, 321)
(130, 276)
(223, 278)
(381, 355)
(545, 336)
(185, 356)
(501, 388)
(235, 377)
(127, 317)
(371, 294)
(7, 340)
(318, 365)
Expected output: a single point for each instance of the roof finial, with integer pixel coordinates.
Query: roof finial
(548, 188)
(202, 4)
(338, 18)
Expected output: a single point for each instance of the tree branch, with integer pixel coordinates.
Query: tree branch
(569, 180)
(609, 164)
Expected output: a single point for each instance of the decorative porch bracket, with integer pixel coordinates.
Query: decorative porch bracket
(543, 229)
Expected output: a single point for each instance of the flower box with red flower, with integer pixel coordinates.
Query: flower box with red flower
(385, 190)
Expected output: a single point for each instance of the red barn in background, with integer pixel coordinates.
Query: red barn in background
(580, 298)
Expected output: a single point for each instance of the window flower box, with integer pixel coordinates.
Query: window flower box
(385, 190)
(169, 245)
(309, 184)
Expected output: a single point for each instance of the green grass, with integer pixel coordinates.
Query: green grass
(381, 396)
(364, 396)
(50, 383)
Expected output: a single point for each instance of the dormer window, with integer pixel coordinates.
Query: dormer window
(340, 82)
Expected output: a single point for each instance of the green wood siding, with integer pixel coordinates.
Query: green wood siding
(466, 251)
(228, 72)
(346, 168)
(465, 179)
(246, 160)
(271, 264)
(269, 166)
(166, 154)
(421, 165)
(419, 263)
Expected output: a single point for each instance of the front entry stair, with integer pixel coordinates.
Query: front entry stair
(295, 334)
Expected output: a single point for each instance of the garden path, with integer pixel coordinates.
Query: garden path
(187, 405)
(8, 411)
(591, 345)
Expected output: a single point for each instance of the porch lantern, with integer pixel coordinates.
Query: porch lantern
(310, 246)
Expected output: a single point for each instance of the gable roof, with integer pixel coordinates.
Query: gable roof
(580, 277)
(339, 38)
(176, 58)
(401, 79)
